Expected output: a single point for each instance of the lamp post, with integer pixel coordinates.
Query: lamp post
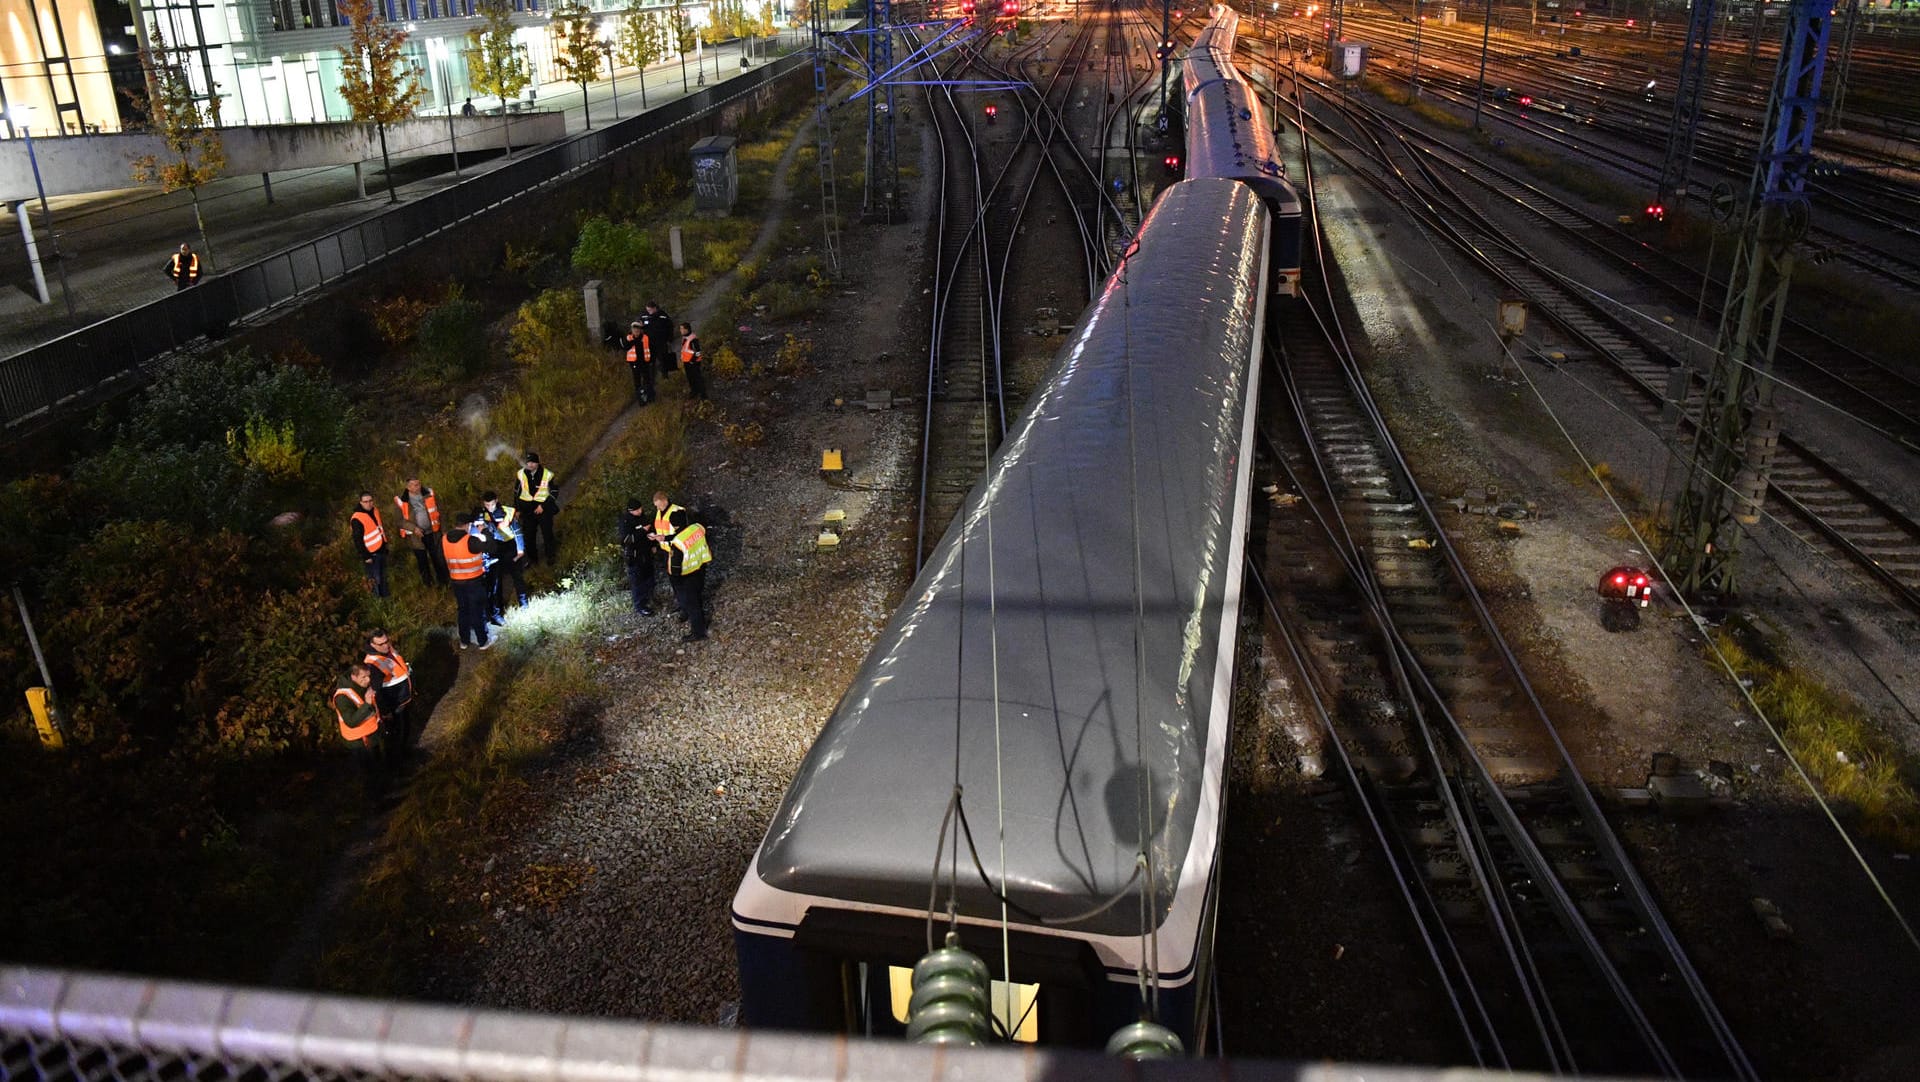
(446, 99)
(1480, 90)
(1413, 75)
(21, 113)
(612, 77)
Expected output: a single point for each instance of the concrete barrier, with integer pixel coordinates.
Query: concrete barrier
(77, 164)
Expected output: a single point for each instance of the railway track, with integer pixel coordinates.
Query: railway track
(981, 215)
(1856, 524)
(1576, 122)
(1549, 947)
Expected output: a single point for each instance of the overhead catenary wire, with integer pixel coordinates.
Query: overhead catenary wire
(1906, 926)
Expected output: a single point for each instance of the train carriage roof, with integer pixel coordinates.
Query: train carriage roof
(1023, 658)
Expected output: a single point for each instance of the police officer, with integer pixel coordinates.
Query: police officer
(641, 554)
(658, 327)
(507, 552)
(184, 268)
(535, 505)
(685, 543)
(639, 362)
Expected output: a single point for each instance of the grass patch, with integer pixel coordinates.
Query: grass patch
(524, 705)
(1837, 742)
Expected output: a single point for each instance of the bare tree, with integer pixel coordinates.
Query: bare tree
(576, 39)
(380, 84)
(187, 125)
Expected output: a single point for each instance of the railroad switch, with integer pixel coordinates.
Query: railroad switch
(831, 524)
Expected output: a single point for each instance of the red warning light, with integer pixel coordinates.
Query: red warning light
(1656, 212)
(1526, 99)
(1172, 162)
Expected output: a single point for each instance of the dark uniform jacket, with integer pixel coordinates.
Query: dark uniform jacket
(634, 544)
(658, 327)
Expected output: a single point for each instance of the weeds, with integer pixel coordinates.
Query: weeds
(1838, 744)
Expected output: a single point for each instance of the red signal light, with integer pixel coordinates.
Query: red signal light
(1526, 99)
(1656, 212)
(1173, 162)
(992, 109)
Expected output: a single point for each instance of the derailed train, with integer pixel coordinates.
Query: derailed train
(1062, 668)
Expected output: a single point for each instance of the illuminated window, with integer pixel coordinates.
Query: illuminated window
(1016, 1005)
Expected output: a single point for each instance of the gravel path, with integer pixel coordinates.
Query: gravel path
(658, 819)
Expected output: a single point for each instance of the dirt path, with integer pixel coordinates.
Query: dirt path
(299, 956)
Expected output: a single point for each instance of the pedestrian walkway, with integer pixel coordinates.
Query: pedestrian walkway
(115, 244)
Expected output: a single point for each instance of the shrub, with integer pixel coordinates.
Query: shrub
(608, 248)
(396, 319)
(727, 363)
(453, 340)
(783, 301)
(273, 451)
(546, 324)
(722, 255)
(795, 357)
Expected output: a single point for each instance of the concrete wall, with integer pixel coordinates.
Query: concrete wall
(77, 164)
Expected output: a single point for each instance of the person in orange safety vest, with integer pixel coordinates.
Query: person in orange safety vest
(357, 709)
(370, 541)
(466, 554)
(420, 528)
(393, 690)
(640, 362)
(184, 268)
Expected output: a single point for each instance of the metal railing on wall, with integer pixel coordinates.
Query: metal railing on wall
(39, 380)
(60, 1026)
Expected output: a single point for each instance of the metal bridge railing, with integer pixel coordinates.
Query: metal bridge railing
(60, 1026)
(37, 380)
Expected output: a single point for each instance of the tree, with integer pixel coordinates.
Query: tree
(641, 41)
(801, 13)
(576, 33)
(680, 29)
(188, 127)
(495, 65)
(380, 84)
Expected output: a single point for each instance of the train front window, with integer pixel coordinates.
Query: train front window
(1016, 1005)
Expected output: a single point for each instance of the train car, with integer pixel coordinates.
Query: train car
(1228, 135)
(1064, 661)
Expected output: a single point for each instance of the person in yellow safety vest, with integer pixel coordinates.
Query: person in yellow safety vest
(358, 711)
(466, 554)
(394, 693)
(370, 541)
(640, 362)
(420, 529)
(536, 506)
(693, 361)
(506, 542)
(184, 268)
(685, 542)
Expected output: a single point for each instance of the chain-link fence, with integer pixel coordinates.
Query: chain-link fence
(40, 379)
(59, 1026)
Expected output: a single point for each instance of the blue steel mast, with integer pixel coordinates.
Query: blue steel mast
(1739, 427)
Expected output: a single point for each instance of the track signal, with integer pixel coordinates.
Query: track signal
(1172, 162)
(1656, 212)
(992, 111)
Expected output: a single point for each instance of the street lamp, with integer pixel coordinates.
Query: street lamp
(20, 113)
(613, 77)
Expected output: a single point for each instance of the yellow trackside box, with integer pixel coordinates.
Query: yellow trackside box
(40, 705)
